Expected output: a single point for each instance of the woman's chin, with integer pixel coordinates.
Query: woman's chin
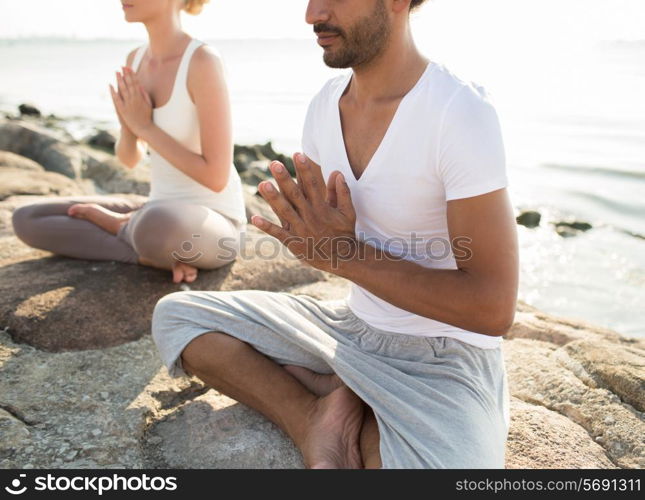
(129, 18)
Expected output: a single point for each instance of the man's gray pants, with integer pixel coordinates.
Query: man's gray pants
(439, 402)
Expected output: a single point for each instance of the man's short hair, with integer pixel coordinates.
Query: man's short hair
(416, 3)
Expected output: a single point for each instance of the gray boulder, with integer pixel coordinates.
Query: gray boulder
(103, 139)
(18, 181)
(42, 146)
(12, 160)
(29, 110)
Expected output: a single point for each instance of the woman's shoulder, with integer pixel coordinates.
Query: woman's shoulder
(206, 54)
(206, 64)
(130, 59)
(131, 55)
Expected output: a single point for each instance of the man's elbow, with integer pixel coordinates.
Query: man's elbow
(499, 320)
(499, 328)
(498, 316)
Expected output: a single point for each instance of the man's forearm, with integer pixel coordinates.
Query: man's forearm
(450, 296)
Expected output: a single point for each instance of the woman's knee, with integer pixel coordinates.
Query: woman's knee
(23, 222)
(179, 240)
(155, 232)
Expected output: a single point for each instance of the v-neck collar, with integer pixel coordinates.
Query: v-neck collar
(349, 175)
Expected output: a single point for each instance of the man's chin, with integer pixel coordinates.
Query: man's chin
(333, 61)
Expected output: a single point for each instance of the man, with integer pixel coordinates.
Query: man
(402, 191)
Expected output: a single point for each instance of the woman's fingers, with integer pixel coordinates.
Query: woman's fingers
(123, 88)
(116, 98)
(145, 95)
(129, 80)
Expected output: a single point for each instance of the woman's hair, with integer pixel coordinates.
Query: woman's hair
(194, 7)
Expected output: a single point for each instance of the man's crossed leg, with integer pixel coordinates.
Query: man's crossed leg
(417, 401)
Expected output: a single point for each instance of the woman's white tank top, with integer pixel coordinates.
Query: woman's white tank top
(179, 119)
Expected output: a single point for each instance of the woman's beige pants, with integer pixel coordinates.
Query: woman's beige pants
(159, 232)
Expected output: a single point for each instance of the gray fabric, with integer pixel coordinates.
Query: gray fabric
(439, 402)
(155, 231)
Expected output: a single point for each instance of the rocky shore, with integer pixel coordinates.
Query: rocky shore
(81, 384)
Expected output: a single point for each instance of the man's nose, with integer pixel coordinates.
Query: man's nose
(317, 12)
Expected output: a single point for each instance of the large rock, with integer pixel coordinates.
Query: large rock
(18, 181)
(103, 139)
(29, 110)
(544, 374)
(57, 154)
(245, 156)
(620, 368)
(214, 432)
(87, 409)
(534, 324)
(110, 176)
(41, 145)
(12, 160)
(93, 304)
(541, 438)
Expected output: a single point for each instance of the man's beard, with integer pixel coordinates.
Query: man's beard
(362, 43)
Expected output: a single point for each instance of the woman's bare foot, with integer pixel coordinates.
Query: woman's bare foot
(102, 217)
(332, 440)
(183, 272)
(318, 383)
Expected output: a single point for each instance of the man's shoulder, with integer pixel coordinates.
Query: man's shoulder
(329, 89)
(457, 91)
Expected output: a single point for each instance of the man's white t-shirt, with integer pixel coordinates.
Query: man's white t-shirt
(444, 143)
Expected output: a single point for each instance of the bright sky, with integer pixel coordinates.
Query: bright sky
(501, 21)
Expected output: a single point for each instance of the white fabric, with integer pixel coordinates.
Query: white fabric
(179, 119)
(444, 143)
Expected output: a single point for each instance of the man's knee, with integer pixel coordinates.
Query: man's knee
(169, 311)
(208, 350)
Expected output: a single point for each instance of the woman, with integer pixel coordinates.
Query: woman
(172, 97)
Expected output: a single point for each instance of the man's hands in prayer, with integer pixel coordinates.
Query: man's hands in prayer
(318, 220)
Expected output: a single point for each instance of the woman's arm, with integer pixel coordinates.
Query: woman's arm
(128, 149)
(207, 87)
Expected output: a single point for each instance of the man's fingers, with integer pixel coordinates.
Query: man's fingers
(310, 175)
(344, 197)
(270, 228)
(291, 191)
(332, 199)
(280, 205)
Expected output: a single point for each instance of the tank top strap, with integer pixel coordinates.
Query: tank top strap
(138, 57)
(182, 72)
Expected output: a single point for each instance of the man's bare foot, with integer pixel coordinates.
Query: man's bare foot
(102, 217)
(334, 426)
(183, 272)
(318, 383)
